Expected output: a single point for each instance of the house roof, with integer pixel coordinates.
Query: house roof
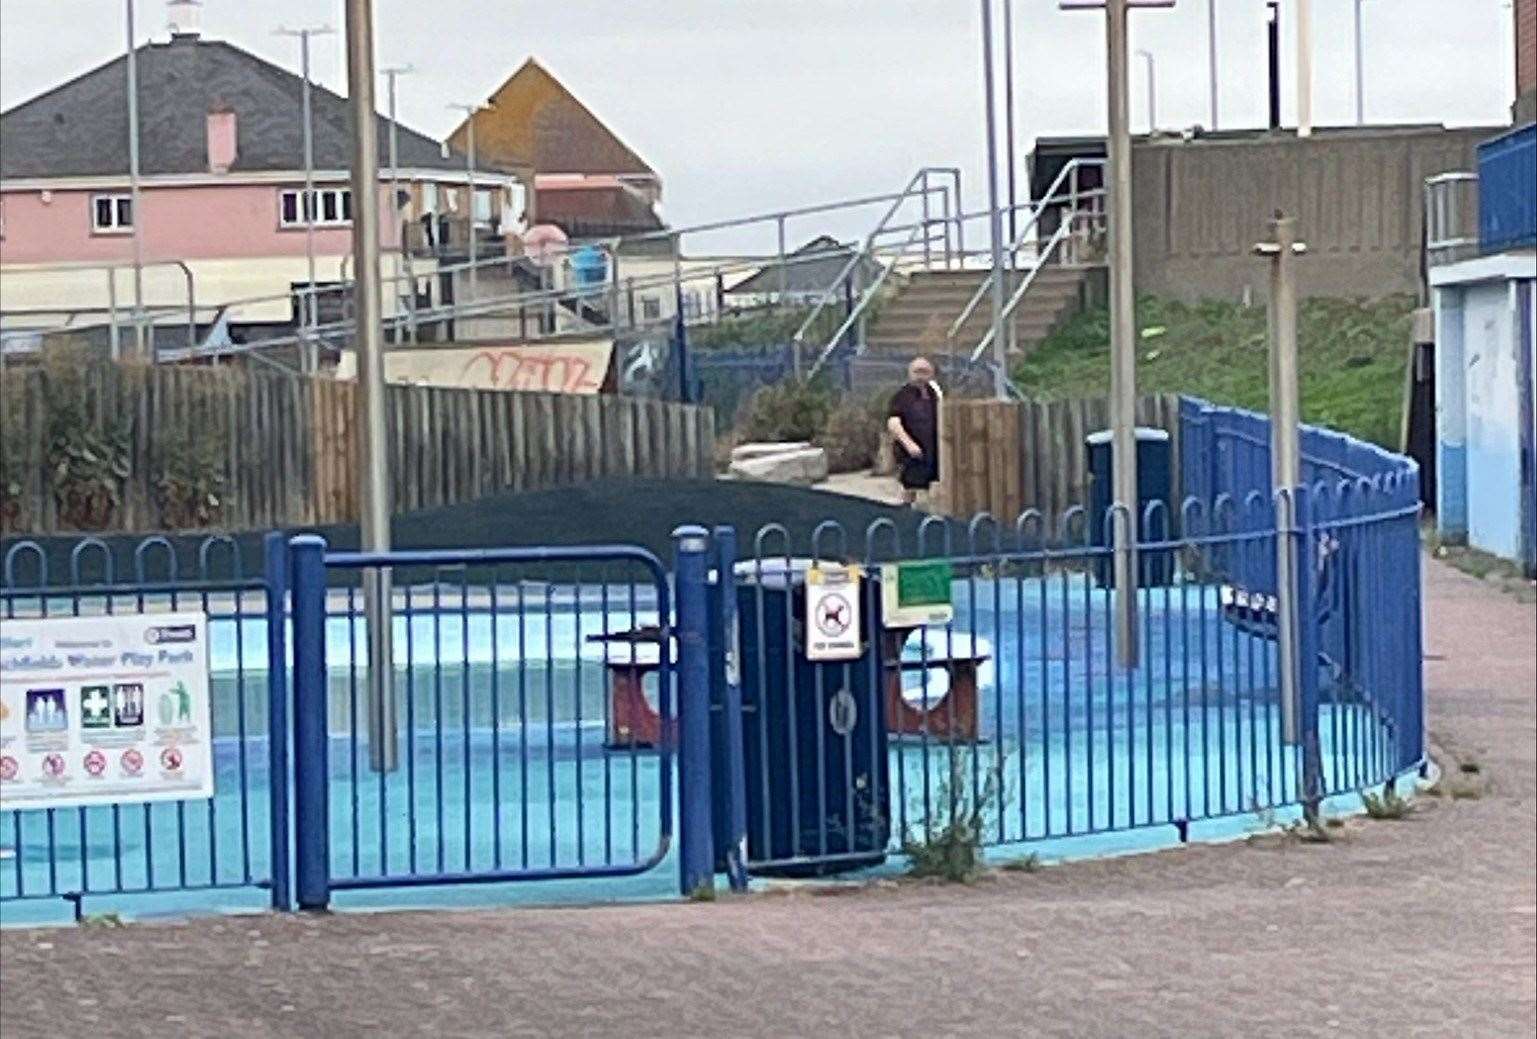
(812, 268)
(80, 128)
(598, 209)
(533, 120)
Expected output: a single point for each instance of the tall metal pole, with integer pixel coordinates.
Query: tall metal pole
(995, 217)
(136, 210)
(469, 184)
(309, 313)
(1304, 68)
(1211, 56)
(1008, 115)
(1285, 452)
(1273, 63)
(397, 225)
(1360, 72)
(370, 350)
(1123, 334)
(1152, 91)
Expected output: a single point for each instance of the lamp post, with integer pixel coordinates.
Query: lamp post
(309, 316)
(1211, 56)
(135, 210)
(1360, 70)
(469, 185)
(1304, 68)
(377, 597)
(398, 227)
(1008, 114)
(1152, 87)
(995, 220)
(1123, 318)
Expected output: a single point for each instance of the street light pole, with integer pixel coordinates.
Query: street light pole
(1211, 56)
(1152, 96)
(377, 597)
(469, 184)
(1008, 114)
(135, 210)
(309, 316)
(1360, 71)
(397, 225)
(995, 217)
(1304, 68)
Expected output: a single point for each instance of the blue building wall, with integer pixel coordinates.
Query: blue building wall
(1484, 406)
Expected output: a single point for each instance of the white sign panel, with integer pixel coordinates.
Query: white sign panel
(104, 710)
(832, 613)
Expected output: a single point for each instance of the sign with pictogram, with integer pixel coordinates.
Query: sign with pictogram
(86, 703)
(832, 612)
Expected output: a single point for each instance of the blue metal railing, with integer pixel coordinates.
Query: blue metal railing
(1507, 204)
(236, 839)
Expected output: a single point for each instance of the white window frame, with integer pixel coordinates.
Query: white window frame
(337, 200)
(116, 203)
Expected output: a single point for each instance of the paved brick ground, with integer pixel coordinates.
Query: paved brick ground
(1421, 927)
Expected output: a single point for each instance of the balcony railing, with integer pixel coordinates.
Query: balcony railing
(1507, 202)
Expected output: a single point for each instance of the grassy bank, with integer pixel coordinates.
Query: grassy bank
(1352, 358)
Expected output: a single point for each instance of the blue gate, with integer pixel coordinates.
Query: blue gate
(534, 720)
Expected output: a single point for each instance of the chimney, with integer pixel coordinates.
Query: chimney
(185, 19)
(223, 146)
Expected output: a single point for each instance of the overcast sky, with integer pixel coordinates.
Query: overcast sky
(751, 105)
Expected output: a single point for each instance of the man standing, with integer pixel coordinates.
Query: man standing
(914, 425)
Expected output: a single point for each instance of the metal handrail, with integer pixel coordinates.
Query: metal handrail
(1062, 233)
(1050, 197)
(798, 339)
(857, 312)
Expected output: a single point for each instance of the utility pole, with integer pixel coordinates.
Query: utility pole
(1273, 62)
(1152, 92)
(469, 183)
(135, 210)
(309, 313)
(1297, 725)
(398, 226)
(377, 596)
(1360, 71)
(1211, 56)
(1304, 68)
(1008, 115)
(995, 217)
(1123, 319)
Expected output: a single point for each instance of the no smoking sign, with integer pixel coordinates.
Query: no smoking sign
(832, 613)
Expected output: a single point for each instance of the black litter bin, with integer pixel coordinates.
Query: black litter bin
(814, 733)
(1154, 461)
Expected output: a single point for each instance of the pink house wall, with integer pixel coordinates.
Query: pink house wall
(218, 221)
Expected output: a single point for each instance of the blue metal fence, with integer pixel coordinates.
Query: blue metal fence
(545, 696)
(235, 839)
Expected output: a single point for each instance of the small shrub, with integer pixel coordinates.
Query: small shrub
(852, 435)
(87, 448)
(1030, 863)
(191, 485)
(789, 410)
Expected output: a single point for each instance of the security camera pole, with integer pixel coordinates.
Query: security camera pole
(377, 598)
(1123, 320)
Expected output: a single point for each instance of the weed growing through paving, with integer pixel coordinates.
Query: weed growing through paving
(705, 892)
(103, 920)
(949, 848)
(1030, 863)
(1387, 805)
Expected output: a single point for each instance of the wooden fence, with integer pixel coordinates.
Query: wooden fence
(1003, 457)
(288, 452)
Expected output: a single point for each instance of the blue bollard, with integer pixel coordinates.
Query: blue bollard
(276, 567)
(696, 845)
(734, 775)
(312, 824)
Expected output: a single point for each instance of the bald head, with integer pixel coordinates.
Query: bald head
(920, 371)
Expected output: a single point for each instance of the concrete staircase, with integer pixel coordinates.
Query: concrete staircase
(918, 317)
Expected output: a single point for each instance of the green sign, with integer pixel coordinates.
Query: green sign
(916, 593)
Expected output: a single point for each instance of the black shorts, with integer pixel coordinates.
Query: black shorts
(917, 473)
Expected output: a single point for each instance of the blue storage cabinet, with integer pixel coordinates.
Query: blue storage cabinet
(1154, 480)
(814, 733)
